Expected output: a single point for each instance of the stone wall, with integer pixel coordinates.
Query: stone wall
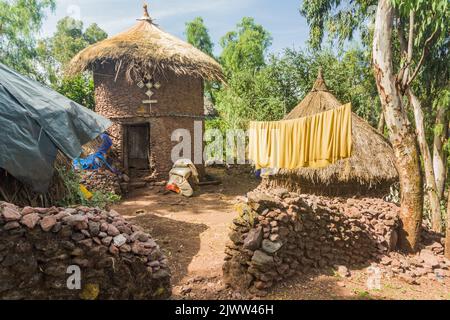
(180, 103)
(303, 185)
(117, 259)
(278, 235)
(103, 181)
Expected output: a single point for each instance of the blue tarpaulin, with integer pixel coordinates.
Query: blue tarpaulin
(36, 122)
(98, 159)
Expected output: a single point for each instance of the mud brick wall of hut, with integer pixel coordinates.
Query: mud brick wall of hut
(279, 234)
(179, 105)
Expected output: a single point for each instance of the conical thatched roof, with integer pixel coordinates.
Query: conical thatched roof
(146, 48)
(372, 161)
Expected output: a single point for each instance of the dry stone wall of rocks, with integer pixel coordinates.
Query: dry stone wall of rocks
(278, 234)
(117, 259)
(104, 181)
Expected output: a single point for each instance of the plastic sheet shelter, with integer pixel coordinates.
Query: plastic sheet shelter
(36, 122)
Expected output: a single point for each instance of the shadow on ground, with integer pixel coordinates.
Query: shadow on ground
(180, 250)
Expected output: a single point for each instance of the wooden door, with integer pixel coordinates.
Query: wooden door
(138, 146)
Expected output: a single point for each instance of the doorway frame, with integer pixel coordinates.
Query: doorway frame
(125, 154)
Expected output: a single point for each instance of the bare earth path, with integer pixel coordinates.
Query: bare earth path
(193, 231)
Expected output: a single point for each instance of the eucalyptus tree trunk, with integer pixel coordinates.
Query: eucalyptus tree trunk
(381, 123)
(435, 204)
(439, 154)
(447, 232)
(402, 138)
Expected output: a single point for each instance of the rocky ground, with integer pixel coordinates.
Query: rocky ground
(193, 233)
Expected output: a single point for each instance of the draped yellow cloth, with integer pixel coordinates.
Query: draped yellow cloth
(315, 141)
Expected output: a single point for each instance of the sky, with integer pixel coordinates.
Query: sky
(281, 18)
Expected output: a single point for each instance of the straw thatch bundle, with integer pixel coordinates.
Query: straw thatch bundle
(21, 194)
(371, 166)
(145, 49)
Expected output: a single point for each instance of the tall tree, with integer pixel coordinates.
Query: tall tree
(20, 21)
(424, 22)
(402, 137)
(447, 232)
(245, 47)
(69, 38)
(434, 92)
(94, 34)
(441, 133)
(392, 18)
(197, 34)
(243, 59)
(56, 52)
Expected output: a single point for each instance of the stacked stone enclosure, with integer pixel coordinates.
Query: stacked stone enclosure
(180, 104)
(117, 260)
(280, 234)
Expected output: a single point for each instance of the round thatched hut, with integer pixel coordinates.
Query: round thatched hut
(149, 83)
(369, 171)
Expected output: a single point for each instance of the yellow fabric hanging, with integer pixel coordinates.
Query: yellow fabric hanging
(315, 141)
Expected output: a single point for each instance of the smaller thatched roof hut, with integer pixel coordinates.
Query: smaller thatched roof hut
(370, 169)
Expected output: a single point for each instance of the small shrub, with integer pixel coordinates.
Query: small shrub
(74, 196)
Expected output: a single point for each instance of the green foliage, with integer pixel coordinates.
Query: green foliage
(216, 123)
(363, 295)
(431, 43)
(102, 200)
(249, 96)
(249, 91)
(197, 35)
(430, 16)
(72, 182)
(274, 90)
(339, 19)
(430, 24)
(57, 51)
(348, 76)
(245, 47)
(20, 21)
(69, 39)
(94, 34)
(261, 87)
(79, 89)
(443, 99)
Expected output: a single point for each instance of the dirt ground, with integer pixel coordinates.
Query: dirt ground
(193, 231)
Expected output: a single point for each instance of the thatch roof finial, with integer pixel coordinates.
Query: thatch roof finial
(146, 16)
(320, 85)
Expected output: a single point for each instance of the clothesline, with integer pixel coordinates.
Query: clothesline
(315, 141)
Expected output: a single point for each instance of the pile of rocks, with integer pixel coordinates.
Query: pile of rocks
(279, 234)
(428, 263)
(104, 181)
(39, 245)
